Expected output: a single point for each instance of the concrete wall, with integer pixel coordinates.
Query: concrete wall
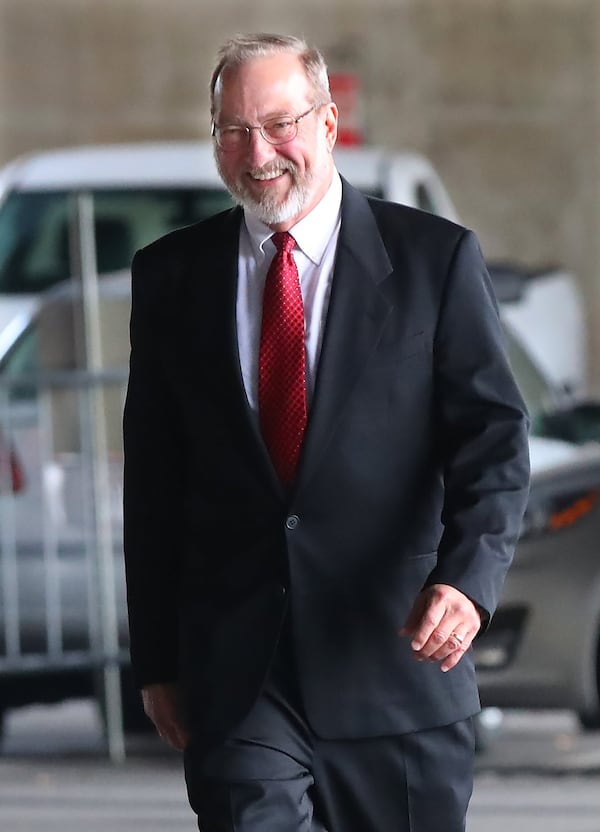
(503, 95)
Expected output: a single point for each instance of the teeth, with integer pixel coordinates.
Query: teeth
(264, 175)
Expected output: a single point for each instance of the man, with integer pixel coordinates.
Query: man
(326, 470)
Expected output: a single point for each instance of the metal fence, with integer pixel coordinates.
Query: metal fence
(62, 601)
(63, 629)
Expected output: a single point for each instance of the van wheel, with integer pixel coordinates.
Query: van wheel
(590, 720)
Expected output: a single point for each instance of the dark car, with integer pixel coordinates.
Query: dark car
(542, 648)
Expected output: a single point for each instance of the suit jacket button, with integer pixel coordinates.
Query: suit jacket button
(292, 521)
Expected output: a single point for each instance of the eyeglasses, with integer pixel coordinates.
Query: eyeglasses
(278, 130)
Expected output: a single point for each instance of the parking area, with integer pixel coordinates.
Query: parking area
(55, 773)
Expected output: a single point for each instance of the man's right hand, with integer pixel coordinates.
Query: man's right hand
(162, 706)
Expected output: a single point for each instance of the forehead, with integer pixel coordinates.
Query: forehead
(262, 87)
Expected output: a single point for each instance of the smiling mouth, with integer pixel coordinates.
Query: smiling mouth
(266, 176)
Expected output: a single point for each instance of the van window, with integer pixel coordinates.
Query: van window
(34, 229)
(20, 364)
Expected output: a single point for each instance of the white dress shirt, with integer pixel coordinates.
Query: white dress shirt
(316, 238)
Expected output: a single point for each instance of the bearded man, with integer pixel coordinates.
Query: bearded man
(326, 468)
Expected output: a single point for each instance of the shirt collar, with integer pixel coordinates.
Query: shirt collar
(312, 233)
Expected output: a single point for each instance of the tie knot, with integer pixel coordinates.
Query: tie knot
(283, 241)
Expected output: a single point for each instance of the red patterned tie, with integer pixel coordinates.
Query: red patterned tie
(282, 361)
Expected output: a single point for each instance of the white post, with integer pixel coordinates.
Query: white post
(100, 475)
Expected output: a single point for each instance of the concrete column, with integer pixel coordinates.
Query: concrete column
(584, 224)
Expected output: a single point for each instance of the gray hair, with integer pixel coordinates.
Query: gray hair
(242, 48)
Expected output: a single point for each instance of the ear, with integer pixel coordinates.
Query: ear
(331, 124)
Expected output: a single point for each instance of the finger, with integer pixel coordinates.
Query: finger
(453, 658)
(441, 622)
(455, 654)
(174, 734)
(181, 739)
(177, 739)
(456, 642)
(425, 615)
(427, 626)
(433, 632)
(447, 637)
(455, 630)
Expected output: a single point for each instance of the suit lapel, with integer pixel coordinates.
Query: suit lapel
(213, 301)
(355, 319)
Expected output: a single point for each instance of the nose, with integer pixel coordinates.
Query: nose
(259, 149)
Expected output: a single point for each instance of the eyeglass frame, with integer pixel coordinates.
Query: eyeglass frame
(247, 128)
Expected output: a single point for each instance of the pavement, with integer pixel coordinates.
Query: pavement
(55, 774)
(541, 742)
(523, 742)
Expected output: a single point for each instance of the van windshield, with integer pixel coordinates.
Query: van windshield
(35, 229)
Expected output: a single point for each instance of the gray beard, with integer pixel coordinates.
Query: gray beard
(267, 210)
(273, 213)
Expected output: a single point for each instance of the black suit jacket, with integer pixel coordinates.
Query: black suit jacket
(414, 471)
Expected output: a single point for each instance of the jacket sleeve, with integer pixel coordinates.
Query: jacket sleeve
(482, 430)
(153, 479)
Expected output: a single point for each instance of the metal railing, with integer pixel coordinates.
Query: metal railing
(62, 602)
(62, 580)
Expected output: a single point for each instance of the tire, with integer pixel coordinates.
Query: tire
(590, 720)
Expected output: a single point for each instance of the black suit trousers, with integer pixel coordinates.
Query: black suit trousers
(273, 774)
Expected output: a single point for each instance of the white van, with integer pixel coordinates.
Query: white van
(142, 190)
